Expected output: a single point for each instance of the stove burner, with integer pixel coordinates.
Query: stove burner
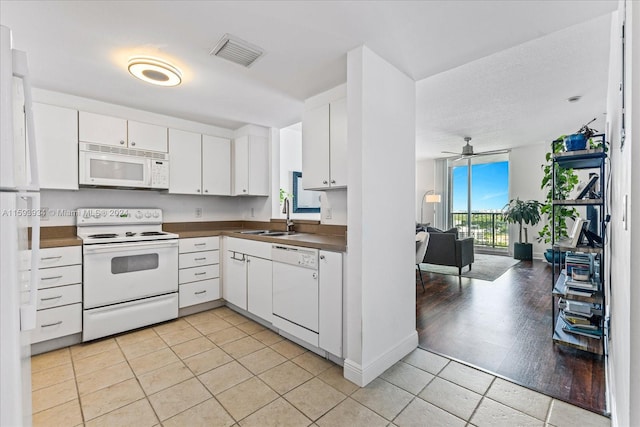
(103, 236)
(152, 233)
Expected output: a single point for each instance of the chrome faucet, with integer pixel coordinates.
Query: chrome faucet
(286, 209)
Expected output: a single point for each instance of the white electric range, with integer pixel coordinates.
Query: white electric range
(130, 270)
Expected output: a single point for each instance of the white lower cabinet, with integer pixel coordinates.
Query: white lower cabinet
(259, 288)
(59, 293)
(248, 284)
(198, 270)
(330, 302)
(247, 280)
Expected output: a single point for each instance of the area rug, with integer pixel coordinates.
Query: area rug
(485, 267)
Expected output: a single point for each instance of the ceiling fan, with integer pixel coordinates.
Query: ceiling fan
(467, 151)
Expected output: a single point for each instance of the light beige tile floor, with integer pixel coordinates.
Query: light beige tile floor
(218, 368)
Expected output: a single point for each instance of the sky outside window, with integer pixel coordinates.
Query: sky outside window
(490, 187)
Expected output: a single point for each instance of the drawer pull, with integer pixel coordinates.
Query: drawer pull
(200, 259)
(199, 244)
(59, 322)
(51, 278)
(202, 273)
(49, 258)
(200, 292)
(50, 298)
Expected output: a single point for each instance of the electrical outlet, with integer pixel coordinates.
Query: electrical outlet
(253, 214)
(44, 214)
(198, 212)
(327, 213)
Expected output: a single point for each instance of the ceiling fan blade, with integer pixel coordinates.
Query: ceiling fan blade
(486, 153)
(449, 152)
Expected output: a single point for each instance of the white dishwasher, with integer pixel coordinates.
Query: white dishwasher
(295, 291)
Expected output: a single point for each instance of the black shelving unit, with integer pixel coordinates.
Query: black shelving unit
(564, 333)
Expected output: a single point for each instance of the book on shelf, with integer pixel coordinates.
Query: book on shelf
(579, 292)
(580, 308)
(576, 319)
(579, 284)
(589, 334)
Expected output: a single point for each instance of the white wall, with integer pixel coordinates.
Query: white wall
(623, 243)
(525, 176)
(381, 323)
(425, 181)
(175, 207)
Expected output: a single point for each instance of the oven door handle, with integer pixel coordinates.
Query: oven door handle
(118, 247)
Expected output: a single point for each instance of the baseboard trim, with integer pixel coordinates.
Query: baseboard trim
(362, 376)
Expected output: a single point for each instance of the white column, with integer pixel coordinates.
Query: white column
(381, 322)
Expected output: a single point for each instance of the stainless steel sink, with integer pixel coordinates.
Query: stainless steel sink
(254, 232)
(279, 233)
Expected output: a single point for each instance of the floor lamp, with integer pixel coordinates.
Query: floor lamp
(428, 197)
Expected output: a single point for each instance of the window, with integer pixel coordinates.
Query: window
(304, 201)
(477, 212)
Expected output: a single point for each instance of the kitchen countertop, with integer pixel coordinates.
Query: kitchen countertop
(330, 242)
(55, 237)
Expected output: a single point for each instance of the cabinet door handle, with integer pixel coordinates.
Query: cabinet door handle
(121, 142)
(325, 182)
(59, 322)
(244, 190)
(206, 191)
(237, 259)
(51, 278)
(333, 181)
(51, 298)
(133, 144)
(49, 258)
(315, 275)
(200, 292)
(321, 256)
(198, 190)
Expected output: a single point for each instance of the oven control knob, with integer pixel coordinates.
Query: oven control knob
(156, 214)
(139, 215)
(147, 215)
(97, 214)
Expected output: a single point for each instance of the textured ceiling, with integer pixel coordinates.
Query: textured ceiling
(81, 48)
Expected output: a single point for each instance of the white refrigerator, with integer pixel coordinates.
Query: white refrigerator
(19, 212)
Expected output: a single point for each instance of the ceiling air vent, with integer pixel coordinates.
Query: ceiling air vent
(236, 50)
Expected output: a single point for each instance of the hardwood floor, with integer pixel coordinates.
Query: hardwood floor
(505, 327)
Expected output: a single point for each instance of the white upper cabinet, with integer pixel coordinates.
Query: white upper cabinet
(185, 171)
(338, 144)
(251, 166)
(199, 164)
(324, 146)
(101, 129)
(56, 131)
(144, 136)
(315, 148)
(216, 165)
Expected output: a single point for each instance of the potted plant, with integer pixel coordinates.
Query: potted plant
(565, 181)
(522, 212)
(578, 140)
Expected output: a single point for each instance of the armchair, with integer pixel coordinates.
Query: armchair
(446, 249)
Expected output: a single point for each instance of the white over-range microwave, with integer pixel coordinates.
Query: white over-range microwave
(111, 166)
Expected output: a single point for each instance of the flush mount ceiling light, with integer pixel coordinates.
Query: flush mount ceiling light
(155, 71)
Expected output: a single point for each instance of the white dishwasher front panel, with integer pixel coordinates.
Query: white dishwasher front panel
(295, 292)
